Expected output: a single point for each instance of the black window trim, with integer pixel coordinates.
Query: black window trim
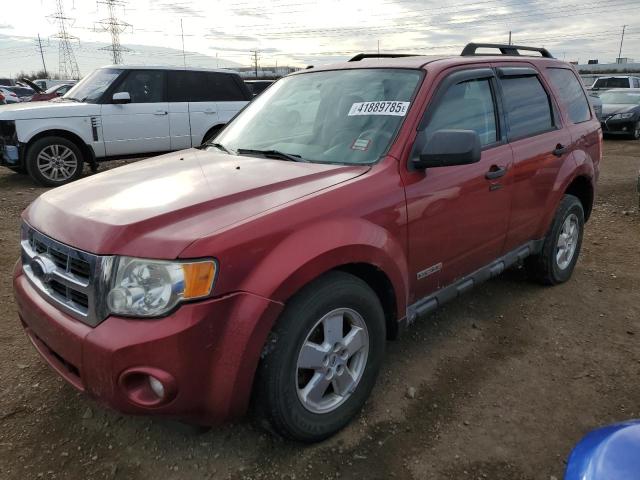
(512, 72)
(591, 112)
(455, 78)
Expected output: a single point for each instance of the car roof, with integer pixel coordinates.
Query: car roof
(166, 67)
(624, 90)
(617, 76)
(421, 62)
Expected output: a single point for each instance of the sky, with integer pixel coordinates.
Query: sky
(303, 32)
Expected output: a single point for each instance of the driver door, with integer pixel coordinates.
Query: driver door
(142, 125)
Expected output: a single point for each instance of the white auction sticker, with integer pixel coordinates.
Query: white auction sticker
(384, 107)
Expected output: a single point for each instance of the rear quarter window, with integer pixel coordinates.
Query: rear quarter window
(570, 93)
(528, 106)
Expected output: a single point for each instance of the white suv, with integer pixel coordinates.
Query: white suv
(114, 112)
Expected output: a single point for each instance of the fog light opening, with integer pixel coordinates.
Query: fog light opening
(156, 386)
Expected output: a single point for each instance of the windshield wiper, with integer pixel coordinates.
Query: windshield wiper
(272, 154)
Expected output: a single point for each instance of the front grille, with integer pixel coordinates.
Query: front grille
(71, 279)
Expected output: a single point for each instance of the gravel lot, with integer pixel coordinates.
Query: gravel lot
(498, 385)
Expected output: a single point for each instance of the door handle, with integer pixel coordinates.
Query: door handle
(495, 172)
(160, 112)
(560, 150)
(208, 111)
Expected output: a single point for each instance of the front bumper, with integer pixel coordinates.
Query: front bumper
(618, 127)
(206, 351)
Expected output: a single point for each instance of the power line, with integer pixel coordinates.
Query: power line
(115, 27)
(67, 65)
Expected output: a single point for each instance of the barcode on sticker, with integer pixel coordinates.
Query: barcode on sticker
(399, 109)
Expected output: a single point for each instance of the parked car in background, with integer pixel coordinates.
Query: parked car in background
(608, 453)
(53, 92)
(117, 111)
(256, 87)
(617, 81)
(47, 83)
(621, 112)
(274, 264)
(596, 104)
(9, 95)
(24, 93)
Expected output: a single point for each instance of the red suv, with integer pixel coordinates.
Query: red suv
(272, 263)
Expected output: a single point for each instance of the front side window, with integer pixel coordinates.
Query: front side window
(467, 106)
(571, 94)
(528, 106)
(340, 116)
(144, 86)
(91, 88)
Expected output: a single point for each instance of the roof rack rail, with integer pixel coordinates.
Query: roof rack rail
(471, 48)
(362, 56)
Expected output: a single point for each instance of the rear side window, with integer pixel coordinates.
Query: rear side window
(611, 83)
(467, 106)
(528, 106)
(203, 87)
(571, 94)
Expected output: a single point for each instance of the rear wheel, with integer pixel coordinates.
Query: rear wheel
(561, 247)
(329, 347)
(54, 161)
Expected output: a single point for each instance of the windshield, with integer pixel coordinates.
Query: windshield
(340, 116)
(621, 98)
(91, 87)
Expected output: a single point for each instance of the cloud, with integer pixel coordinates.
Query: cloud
(215, 34)
(6, 26)
(181, 9)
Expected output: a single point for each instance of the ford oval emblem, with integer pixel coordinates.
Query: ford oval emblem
(42, 267)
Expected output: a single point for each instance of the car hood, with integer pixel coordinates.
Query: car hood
(30, 111)
(613, 108)
(609, 452)
(157, 207)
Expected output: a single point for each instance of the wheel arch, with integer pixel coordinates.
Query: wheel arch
(582, 188)
(86, 150)
(216, 128)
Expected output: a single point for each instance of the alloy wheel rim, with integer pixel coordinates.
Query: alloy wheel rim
(57, 162)
(332, 360)
(567, 241)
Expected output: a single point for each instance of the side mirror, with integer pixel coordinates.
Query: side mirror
(121, 97)
(446, 148)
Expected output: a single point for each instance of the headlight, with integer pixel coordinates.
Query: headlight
(150, 288)
(623, 116)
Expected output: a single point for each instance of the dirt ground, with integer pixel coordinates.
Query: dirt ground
(498, 385)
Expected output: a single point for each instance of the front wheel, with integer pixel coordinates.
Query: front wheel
(54, 161)
(325, 356)
(561, 247)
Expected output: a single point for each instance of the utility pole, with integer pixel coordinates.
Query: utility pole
(621, 40)
(255, 59)
(44, 65)
(378, 47)
(509, 37)
(115, 27)
(184, 59)
(67, 65)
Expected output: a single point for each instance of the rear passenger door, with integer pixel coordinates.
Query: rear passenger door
(540, 147)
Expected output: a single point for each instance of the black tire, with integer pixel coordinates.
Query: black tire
(211, 134)
(635, 135)
(43, 145)
(276, 394)
(21, 170)
(545, 267)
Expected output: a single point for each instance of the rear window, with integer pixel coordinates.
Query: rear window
(204, 87)
(528, 106)
(611, 83)
(571, 94)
